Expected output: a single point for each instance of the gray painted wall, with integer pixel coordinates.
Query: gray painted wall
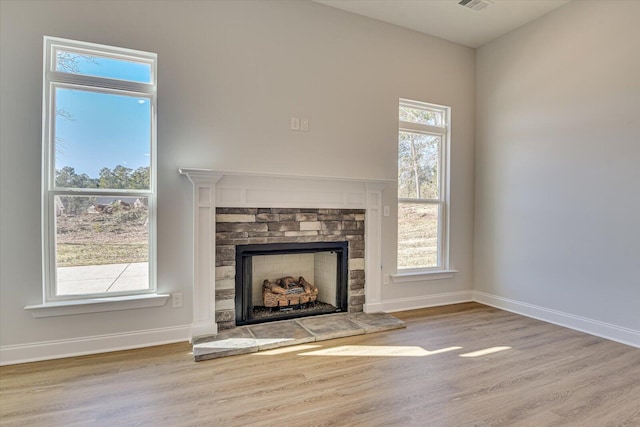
(557, 200)
(231, 74)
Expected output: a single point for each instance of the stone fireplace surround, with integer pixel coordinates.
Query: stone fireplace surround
(245, 226)
(234, 191)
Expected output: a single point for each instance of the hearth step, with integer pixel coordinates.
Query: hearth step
(266, 336)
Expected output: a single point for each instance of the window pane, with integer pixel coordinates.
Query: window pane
(418, 235)
(102, 140)
(102, 244)
(100, 66)
(418, 158)
(422, 116)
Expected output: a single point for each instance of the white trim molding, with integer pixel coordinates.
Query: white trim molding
(590, 326)
(424, 301)
(373, 248)
(204, 250)
(97, 305)
(421, 276)
(58, 349)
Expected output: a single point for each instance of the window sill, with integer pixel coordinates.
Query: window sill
(96, 305)
(421, 276)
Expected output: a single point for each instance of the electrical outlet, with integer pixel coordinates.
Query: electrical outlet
(295, 123)
(176, 300)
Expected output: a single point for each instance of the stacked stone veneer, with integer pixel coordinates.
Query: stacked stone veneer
(248, 226)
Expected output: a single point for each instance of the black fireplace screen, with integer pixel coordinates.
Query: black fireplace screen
(288, 280)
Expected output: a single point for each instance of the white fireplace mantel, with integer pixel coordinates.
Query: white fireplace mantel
(213, 189)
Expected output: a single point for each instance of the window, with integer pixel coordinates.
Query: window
(423, 139)
(99, 170)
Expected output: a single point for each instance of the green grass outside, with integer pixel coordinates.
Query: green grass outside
(77, 254)
(417, 236)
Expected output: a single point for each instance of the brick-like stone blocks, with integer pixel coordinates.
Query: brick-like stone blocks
(242, 226)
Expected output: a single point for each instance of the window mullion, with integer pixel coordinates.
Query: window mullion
(423, 201)
(421, 128)
(59, 191)
(81, 84)
(60, 77)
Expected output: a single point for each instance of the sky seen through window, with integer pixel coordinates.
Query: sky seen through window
(96, 129)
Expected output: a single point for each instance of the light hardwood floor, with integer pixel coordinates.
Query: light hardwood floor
(429, 374)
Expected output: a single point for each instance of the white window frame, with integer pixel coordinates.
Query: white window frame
(53, 79)
(441, 270)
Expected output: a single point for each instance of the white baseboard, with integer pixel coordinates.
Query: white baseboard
(13, 354)
(373, 308)
(203, 329)
(47, 350)
(412, 303)
(593, 327)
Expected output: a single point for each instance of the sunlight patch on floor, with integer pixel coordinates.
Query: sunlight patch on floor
(284, 350)
(484, 352)
(377, 351)
(287, 345)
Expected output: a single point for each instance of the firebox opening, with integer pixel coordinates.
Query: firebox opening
(289, 280)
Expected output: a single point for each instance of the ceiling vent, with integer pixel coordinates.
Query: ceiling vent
(475, 4)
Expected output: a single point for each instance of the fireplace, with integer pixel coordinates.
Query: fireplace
(263, 208)
(289, 280)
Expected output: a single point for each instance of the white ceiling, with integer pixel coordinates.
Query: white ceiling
(449, 20)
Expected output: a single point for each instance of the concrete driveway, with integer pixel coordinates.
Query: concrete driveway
(107, 278)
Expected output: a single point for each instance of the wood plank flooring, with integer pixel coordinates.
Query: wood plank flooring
(463, 365)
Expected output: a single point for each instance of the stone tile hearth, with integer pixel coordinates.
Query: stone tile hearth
(267, 336)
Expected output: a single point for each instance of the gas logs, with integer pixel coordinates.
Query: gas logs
(288, 291)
